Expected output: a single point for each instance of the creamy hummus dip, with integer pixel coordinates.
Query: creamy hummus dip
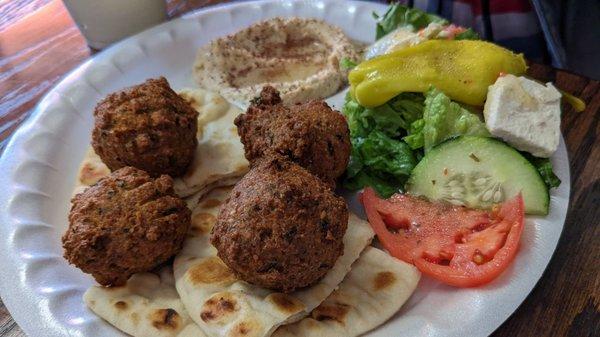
(299, 57)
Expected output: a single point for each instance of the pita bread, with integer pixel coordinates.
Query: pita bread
(222, 305)
(191, 330)
(148, 305)
(220, 152)
(374, 290)
(219, 158)
(91, 170)
(376, 287)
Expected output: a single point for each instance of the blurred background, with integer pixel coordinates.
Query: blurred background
(40, 41)
(563, 33)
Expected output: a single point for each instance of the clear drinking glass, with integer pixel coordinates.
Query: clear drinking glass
(103, 22)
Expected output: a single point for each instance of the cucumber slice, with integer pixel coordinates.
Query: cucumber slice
(478, 172)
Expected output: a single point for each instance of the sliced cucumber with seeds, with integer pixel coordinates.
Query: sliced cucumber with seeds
(478, 172)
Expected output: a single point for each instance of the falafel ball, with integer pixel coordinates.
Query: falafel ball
(282, 228)
(310, 134)
(126, 223)
(147, 126)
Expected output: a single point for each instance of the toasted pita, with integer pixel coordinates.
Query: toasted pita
(372, 292)
(376, 287)
(222, 305)
(219, 159)
(148, 305)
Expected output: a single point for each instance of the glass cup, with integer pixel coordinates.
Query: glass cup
(103, 22)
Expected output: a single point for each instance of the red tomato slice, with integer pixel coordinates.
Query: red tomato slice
(458, 246)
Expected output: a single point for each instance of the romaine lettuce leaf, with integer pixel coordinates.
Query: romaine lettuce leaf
(379, 161)
(409, 105)
(443, 119)
(381, 153)
(399, 15)
(379, 157)
(385, 187)
(415, 134)
(393, 118)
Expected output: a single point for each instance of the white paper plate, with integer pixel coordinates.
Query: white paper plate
(43, 293)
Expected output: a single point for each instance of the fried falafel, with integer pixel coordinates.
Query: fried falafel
(126, 223)
(147, 126)
(282, 228)
(310, 134)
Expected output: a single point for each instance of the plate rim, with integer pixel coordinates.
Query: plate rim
(19, 136)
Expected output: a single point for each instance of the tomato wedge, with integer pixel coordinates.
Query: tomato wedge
(456, 245)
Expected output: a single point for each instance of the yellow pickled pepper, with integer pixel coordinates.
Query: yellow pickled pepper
(463, 70)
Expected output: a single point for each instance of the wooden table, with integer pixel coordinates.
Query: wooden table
(39, 43)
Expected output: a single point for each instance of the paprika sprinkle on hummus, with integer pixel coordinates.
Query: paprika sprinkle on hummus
(299, 57)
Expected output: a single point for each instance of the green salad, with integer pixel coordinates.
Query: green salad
(389, 140)
(402, 16)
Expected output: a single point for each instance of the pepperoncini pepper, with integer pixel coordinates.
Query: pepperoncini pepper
(462, 69)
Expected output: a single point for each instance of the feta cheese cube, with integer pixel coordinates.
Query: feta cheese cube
(525, 114)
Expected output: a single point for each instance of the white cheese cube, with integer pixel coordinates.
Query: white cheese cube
(525, 114)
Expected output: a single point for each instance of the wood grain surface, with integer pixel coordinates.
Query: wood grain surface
(566, 300)
(39, 43)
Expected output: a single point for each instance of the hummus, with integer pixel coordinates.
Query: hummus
(299, 57)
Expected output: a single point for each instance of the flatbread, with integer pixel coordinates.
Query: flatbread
(222, 305)
(220, 153)
(148, 305)
(219, 159)
(91, 170)
(374, 290)
(158, 304)
(376, 287)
